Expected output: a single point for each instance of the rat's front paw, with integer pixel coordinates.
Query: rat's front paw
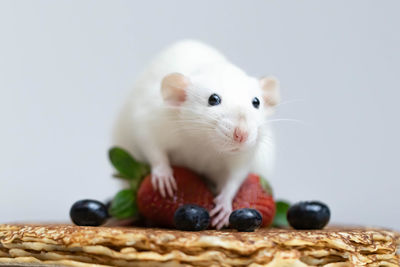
(163, 180)
(221, 212)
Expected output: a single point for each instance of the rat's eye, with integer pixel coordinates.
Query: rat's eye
(256, 102)
(214, 100)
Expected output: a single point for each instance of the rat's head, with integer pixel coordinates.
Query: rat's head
(224, 108)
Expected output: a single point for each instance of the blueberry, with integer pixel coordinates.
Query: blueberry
(191, 218)
(245, 220)
(88, 212)
(308, 215)
(108, 206)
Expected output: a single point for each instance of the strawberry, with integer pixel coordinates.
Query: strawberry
(160, 211)
(252, 195)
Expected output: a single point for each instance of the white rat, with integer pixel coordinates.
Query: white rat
(192, 107)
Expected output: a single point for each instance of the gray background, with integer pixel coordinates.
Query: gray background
(66, 66)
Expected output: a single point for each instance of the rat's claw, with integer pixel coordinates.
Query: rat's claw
(154, 182)
(163, 181)
(222, 219)
(221, 212)
(222, 216)
(158, 184)
(215, 210)
(169, 187)
(223, 223)
(161, 187)
(173, 183)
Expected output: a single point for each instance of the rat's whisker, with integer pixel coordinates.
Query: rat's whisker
(196, 124)
(192, 111)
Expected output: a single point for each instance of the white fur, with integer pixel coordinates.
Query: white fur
(194, 134)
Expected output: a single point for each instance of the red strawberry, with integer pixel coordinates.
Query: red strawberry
(252, 195)
(160, 211)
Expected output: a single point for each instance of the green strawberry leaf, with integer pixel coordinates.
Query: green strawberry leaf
(120, 176)
(126, 165)
(135, 184)
(266, 186)
(123, 205)
(280, 215)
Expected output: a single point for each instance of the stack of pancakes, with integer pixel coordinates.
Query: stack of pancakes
(67, 245)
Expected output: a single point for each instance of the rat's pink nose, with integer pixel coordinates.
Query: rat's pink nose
(240, 135)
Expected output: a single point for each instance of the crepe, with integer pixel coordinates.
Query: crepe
(68, 245)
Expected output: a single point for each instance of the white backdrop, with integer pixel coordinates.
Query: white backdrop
(66, 66)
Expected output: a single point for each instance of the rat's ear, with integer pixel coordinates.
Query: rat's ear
(173, 88)
(270, 88)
